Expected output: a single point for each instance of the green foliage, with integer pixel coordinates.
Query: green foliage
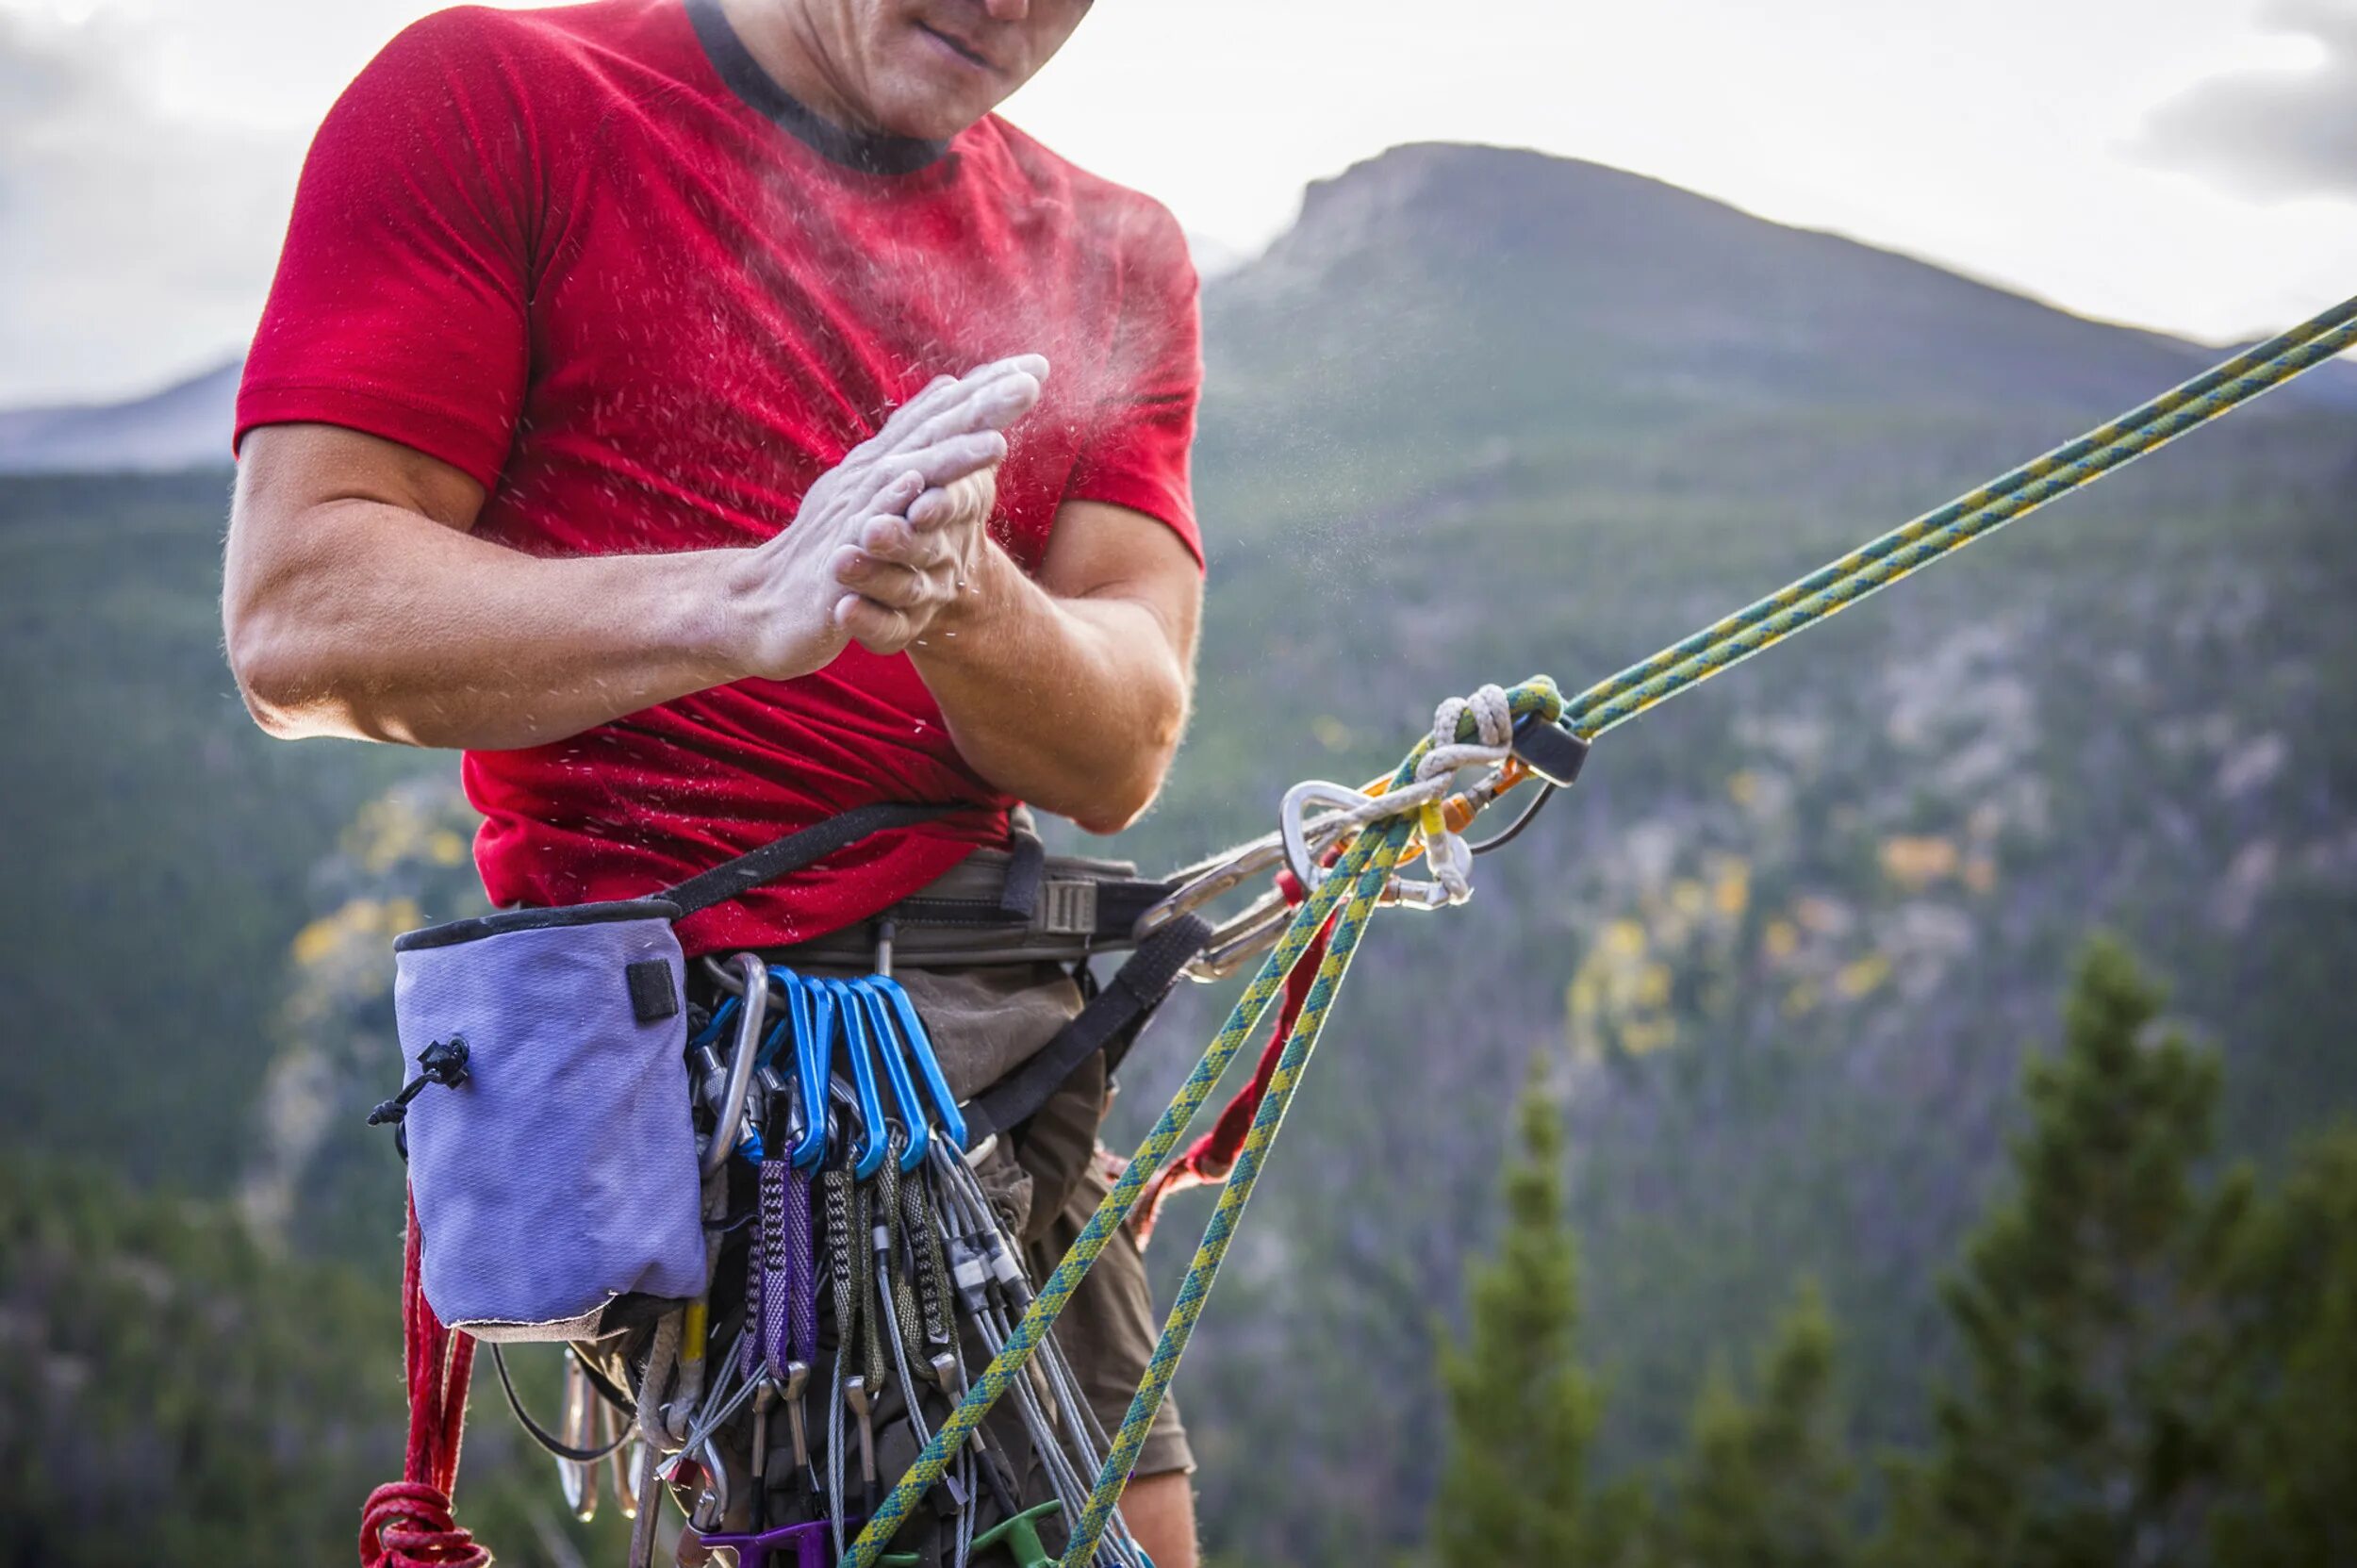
(1522, 1410)
(175, 1393)
(2292, 1501)
(162, 845)
(171, 1393)
(1767, 1482)
(2090, 1301)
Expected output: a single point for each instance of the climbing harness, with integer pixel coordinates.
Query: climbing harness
(872, 1255)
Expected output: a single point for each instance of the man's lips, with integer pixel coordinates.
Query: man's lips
(958, 47)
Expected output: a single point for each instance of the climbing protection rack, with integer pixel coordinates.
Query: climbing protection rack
(1335, 870)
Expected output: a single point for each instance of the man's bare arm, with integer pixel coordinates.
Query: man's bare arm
(356, 601)
(1071, 692)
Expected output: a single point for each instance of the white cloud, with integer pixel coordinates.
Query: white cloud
(131, 246)
(2274, 132)
(148, 148)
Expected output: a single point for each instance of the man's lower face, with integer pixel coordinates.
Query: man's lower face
(934, 66)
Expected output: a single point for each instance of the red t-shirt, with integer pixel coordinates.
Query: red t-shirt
(596, 259)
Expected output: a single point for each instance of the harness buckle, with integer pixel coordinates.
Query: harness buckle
(1068, 908)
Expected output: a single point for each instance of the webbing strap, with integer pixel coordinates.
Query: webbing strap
(1137, 988)
(796, 852)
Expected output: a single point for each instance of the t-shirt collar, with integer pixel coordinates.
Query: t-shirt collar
(870, 152)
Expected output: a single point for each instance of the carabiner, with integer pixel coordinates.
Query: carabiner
(1305, 842)
(879, 1035)
(810, 1071)
(839, 1015)
(1198, 884)
(731, 1111)
(920, 1045)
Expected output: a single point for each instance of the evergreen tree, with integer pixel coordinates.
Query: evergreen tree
(2294, 1498)
(1767, 1484)
(1521, 1411)
(2089, 1429)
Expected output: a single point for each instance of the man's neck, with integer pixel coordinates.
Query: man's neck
(785, 40)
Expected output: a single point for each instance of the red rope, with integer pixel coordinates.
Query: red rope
(408, 1523)
(1209, 1159)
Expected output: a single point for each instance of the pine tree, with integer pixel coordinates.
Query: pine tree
(2292, 1502)
(1522, 1410)
(1767, 1484)
(2088, 1427)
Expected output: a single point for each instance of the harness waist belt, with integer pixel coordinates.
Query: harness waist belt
(999, 906)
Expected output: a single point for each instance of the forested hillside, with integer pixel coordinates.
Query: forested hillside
(1481, 413)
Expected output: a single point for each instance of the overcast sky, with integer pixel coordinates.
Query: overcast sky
(2184, 165)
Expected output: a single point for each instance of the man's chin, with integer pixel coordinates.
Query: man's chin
(929, 114)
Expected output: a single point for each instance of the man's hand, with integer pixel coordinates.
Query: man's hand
(916, 552)
(905, 569)
(884, 540)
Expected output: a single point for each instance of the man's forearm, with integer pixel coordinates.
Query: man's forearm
(386, 625)
(1074, 704)
(357, 602)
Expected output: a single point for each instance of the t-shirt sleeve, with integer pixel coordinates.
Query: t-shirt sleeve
(399, 305)
(1136, 452)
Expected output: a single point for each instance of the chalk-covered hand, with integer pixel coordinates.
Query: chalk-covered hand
(905, 566)
(880, 538)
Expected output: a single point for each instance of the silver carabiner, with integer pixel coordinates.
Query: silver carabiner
(753, 1011)
(1305, 842)
(1198, 884)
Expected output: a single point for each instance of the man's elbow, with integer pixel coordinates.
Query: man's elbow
(1112, 812)
(1126, 799)
(275, 677)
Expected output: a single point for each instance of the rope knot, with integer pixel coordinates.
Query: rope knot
(409, 1525)
(1444, 850)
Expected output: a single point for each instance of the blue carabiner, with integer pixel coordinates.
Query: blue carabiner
(919, 1046)
(873, 1033)
(891, 1049)
(810, 1069)
(837, 1005)
(710, 1034)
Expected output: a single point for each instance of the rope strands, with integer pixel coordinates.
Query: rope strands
(1905, 549)
(1196, 1289)
(1355, 887)
(408, 1523)
(1057, 1289)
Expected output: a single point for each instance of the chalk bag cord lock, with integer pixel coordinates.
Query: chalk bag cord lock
(444, 1061)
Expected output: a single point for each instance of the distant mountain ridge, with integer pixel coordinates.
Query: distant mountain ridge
(1686, 288)
(184, 426)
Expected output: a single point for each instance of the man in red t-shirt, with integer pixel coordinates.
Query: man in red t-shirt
(613, 418)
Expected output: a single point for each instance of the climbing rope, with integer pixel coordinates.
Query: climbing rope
(408, 1523)
(1908, 548)
(893, 1280)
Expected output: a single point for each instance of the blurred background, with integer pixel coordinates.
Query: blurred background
(1683, 1200)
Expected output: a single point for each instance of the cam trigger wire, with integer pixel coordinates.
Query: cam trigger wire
(1528, 814)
